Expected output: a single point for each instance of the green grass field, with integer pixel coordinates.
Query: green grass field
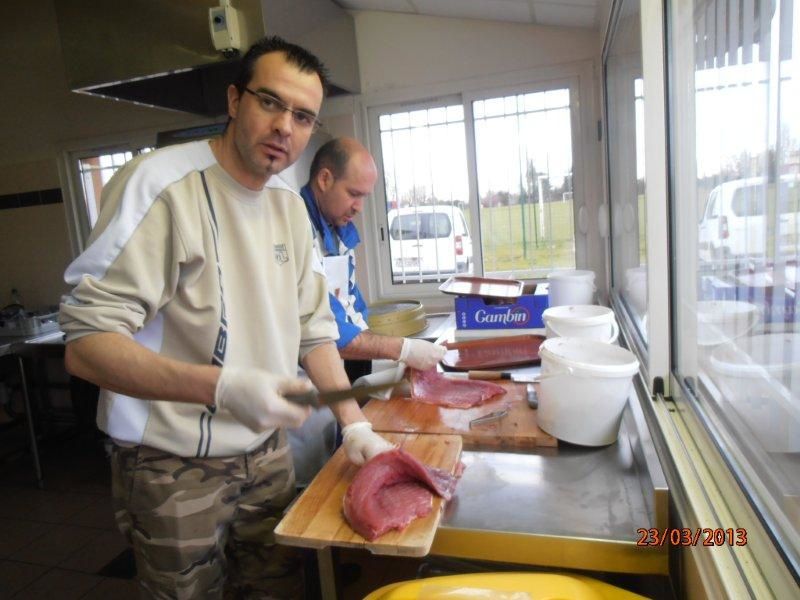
(515, 238)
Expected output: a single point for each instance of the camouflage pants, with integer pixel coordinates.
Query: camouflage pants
(203, 527)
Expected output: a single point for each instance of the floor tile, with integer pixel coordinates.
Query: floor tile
(78, 474)
(99, 514)
(43, 505)
(57, 545)
(118, 589)
(15, 534)
(97, 553)
(15, 576)
(122, 566)
(61, 584)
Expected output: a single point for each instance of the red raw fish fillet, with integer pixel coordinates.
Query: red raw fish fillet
(391, 490)
(432, 387)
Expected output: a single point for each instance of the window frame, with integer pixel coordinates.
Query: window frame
(70, 152)
(654, 354)
(696, 453)
(78, 224)
(734, 469)
(570, 83)
(378, 207)
(579, 77)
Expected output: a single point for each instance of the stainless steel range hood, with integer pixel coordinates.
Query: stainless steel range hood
(160, 53)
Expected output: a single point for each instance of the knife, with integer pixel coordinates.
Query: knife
(495, 375)
(316, 399)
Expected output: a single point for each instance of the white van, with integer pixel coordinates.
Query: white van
(739, 219)
(428, 242)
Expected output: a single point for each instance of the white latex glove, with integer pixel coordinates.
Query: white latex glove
(361, 443)
(255, 398)
(420, 354)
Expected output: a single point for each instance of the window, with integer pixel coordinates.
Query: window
(624, 91)
(425, 186)
(477, 183)
(712, 205)
(524, 160)
(95, 171)
(749, 201)
(84, 173)
(735, 156)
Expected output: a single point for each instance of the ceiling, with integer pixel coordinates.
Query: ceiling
(559, 13)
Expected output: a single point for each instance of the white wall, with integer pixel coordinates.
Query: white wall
(400, 50)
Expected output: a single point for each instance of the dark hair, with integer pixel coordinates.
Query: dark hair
(300, 57)
(333, 156)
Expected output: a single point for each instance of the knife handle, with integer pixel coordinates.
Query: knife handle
(489, 375)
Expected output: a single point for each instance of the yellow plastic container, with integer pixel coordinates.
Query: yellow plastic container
(400, 318)
(503, 586)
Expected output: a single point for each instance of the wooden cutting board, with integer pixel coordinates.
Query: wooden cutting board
(315, 520)
(516, 431)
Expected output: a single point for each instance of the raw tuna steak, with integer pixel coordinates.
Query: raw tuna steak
(432, 387)
(392, 490)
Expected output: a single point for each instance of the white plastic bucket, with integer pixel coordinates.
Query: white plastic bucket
(758, 376)
(571, 287)
(583, 321)
(584, 388)
(721, 321)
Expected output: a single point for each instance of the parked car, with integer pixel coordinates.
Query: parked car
(429, 242)
(740, 219)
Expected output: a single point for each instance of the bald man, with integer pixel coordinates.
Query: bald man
(342, 176)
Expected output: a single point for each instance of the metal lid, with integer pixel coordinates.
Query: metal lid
(486, 287)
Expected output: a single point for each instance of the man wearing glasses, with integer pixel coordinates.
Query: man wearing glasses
(341, 178)
(195, 299)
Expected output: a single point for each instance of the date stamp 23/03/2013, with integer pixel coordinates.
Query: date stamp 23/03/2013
(699, 536)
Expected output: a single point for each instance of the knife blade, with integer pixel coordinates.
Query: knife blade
(495, 375)
(316, 399)
(489, 418)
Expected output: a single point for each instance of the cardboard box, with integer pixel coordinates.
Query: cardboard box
(474, 312)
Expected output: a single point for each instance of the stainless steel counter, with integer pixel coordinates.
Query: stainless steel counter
(578, 492)
(27, 348)
(7, 343)
(570, 507)
(439, 324)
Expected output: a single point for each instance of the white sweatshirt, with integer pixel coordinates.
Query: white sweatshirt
(151, 272)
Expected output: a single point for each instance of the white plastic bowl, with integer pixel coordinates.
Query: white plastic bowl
(721, 321)
(757, 376)
(584, 388)
(571, 287)
(584, 321)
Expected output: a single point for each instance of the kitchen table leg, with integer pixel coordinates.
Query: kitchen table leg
(327, 573)
(29, 416)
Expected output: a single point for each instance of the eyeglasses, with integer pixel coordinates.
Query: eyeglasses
(270, 104)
